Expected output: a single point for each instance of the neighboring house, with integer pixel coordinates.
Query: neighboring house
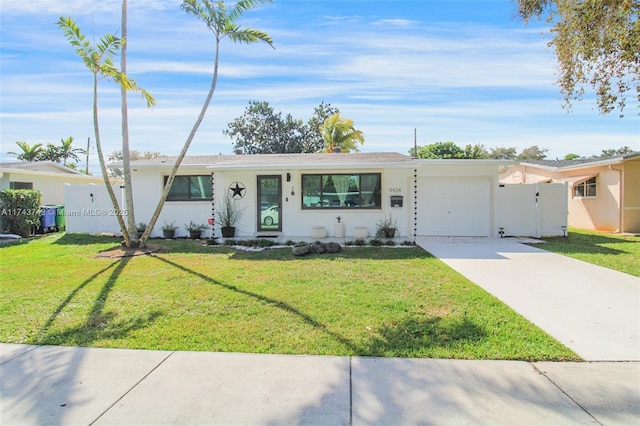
(603, 193)
(45, 176)
(301, 195)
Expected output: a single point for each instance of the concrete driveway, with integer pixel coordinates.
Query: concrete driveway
(594, 311)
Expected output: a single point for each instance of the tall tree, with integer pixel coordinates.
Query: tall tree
(97, 57)
(314, 142)
(124, 113)
(260, 130)
(28, 152)
(68, 152)
(340, 135)
(441, 150)
(51, 153)
(597, 44)
(533, 153)
(615, 152)
(502, 153)
(222, 22)
(475, 152)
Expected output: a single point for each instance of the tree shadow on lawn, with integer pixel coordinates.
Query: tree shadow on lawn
(99, 324)
(410, 337)
(78, 239)
(587, 244)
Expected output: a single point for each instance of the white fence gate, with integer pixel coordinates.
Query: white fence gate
(535, 210)
(89, 209)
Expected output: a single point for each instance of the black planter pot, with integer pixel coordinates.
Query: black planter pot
(389, 233)
(168, 234)
(195, 234)
(228, 231)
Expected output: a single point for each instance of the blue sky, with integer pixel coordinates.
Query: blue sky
(461, 71)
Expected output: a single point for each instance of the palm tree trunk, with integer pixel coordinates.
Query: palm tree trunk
(174, 170)
(126, 156)
(103, 167)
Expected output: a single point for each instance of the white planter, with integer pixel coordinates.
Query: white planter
(360, 232)
(338, 230)
(318, 232)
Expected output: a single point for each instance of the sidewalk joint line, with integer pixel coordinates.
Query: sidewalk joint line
(21, 354)
(350, 391)
(132, 388)
(542, 373)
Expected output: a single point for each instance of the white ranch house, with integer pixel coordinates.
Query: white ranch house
(301, 195)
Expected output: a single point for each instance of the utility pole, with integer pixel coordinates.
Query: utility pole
(88, 146)
(415, 142)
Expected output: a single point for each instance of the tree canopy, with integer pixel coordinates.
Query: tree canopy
(56, 153)
(597, 44)
(451, 151)
(261, 130)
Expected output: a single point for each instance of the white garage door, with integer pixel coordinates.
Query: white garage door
(454, 207)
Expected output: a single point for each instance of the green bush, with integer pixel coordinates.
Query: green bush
(19, 210)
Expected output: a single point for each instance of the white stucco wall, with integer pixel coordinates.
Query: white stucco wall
(51, 185)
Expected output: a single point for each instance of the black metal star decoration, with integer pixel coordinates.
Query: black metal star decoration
(237, 190)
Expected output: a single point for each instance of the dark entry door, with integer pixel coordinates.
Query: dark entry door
(270, 203)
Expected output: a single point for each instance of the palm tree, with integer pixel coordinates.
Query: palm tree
(126, 153)
(98, 58)
(29, 152)
(221, 21)
(340, 135)
(67, 152)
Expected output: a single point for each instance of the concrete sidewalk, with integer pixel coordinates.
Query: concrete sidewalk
(63, 385)
(594, 311)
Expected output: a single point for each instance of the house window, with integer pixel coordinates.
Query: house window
(20, 185)
(585, 188)
(341, 191)
(190, 188)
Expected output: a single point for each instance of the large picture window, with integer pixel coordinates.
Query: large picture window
(341, 191)
(586, 188)
(190, 188)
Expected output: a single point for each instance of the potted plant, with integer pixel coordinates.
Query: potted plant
(387, 227)
(169, 230)
(140, 228)
(229, 212)
(194, 229)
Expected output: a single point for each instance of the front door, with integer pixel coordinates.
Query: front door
(270, 203)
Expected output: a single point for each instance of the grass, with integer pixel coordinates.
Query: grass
(367, 301)
(614, 251)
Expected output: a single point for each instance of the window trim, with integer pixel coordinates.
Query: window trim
(585, 184)
(333, 207)
(169, 198)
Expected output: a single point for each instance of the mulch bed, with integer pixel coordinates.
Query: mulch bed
(120, 252)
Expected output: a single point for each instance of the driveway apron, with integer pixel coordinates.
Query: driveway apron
(592, 310)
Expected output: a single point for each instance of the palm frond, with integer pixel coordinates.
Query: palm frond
(243, 5)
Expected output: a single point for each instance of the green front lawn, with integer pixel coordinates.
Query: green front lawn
(614, 251)
(362, 301)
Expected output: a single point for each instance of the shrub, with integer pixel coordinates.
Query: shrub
(20, 211)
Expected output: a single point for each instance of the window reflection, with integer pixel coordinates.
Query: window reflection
(341, 191)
